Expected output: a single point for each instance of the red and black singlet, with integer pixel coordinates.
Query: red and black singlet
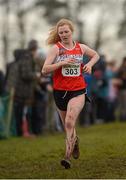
(69, 78)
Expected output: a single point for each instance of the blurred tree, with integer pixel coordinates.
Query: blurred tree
(74, 8)
(5, 28)
(98, 39)
(53, 9)
(99, 28)
(122, 29)
(20, 14)
(21, 11)
(18, 9)
(56, 9)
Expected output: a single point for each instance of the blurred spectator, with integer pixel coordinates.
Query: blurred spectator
(21, 77)
(111, 72)
(100, 89)
(122, 90)
(87, 114)
(12, 70)
(39, 106)
(2, 83)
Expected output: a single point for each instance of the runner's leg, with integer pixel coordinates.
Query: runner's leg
(74, 108)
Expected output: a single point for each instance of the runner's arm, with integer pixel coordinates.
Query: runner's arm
(94, 57)
(49, 65)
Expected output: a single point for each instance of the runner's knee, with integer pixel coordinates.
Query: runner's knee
(70, 115)
(68, 125)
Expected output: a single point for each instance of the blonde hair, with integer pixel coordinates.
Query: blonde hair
(53, 34)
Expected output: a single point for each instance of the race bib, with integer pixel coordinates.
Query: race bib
(71, 70)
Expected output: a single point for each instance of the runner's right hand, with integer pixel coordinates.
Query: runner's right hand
(68, 62)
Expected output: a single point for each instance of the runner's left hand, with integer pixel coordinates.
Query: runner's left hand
(87, 68)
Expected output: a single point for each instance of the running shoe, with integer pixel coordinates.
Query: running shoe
(66, 163)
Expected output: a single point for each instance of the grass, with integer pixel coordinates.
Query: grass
(102, 147)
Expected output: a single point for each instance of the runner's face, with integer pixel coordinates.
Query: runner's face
(65, 33)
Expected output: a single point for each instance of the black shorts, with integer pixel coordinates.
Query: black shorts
(62, 97)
